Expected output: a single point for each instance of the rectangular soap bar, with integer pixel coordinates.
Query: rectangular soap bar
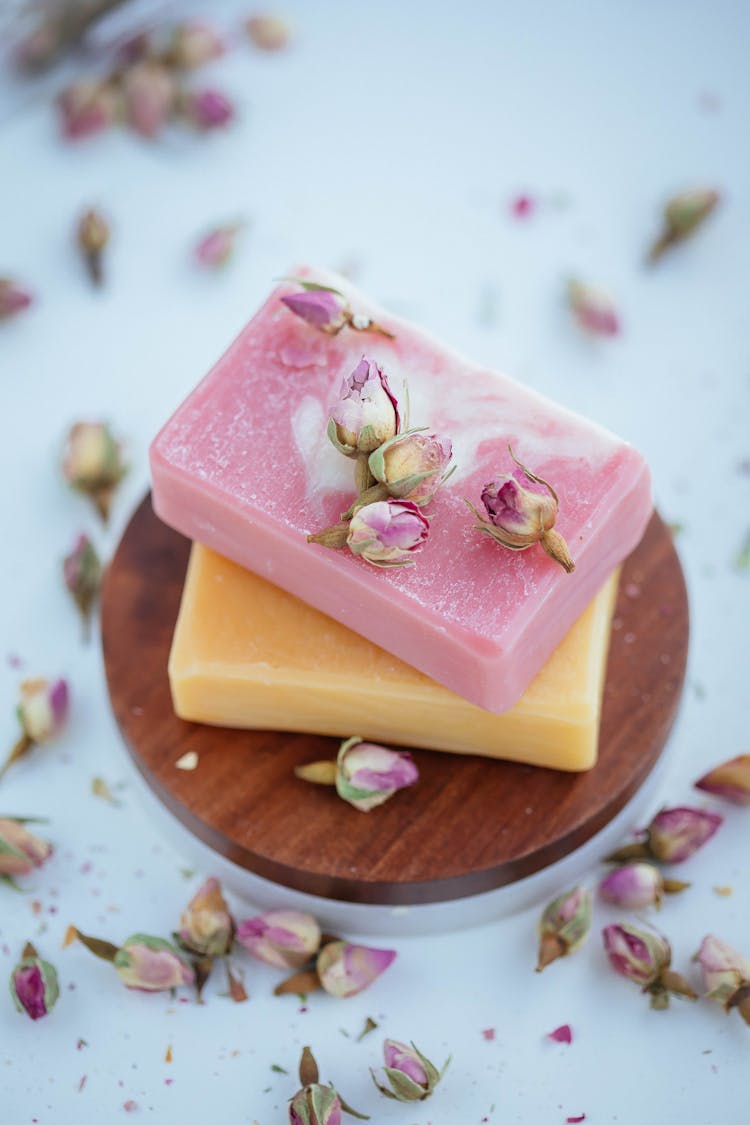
(245, 467)
(247, 654)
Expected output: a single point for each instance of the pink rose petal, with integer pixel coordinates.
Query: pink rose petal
(562, 1034)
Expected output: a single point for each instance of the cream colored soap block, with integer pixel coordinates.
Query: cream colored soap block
(247, 654)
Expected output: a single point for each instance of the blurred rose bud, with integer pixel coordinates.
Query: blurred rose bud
(208, 109)
(82, 572)
(593, 310)
(215, 248)
(368, 774)
(269, 33)
(206, 926)
(20, 851)
(151, 964)
(730, 780)
(683, 215)
(14, 298)
(88, 107)
(676, 834)
(563, 926)
(387, 532)
(93, 464)
(43, 708)
(726, 975)
(637, 885)
(33, 985)
(322, 308)
(92, 237)
(411, 1076)
(346, 969)
(412, 466)
(285, 938)
(150, 97)
(193, 44)
(366, 412)
(645, 958)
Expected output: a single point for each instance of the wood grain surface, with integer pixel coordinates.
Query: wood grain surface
(469, 825)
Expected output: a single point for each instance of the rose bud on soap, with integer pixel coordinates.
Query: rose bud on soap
(206, 926)
(521, 511)
(366, 413)
(14, 298)
(412, 466)
(387, 532)
(42, 712)
(730, 780)
(346, 969)
(637, 885)
(593, 310)
(672, 836)
(411, 1075)
(93, 463)
(82, 572)
(563, 926)
(34, 985)
(328, 310)
(284, 938)
(20, 851)
(645, 958)
(726, 975)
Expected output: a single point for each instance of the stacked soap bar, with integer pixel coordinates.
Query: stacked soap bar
(247, 654)
(244, 466)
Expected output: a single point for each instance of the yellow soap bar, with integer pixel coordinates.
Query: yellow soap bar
(247, 654)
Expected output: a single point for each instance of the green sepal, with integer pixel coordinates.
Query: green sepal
(100, 948)
(313, 286)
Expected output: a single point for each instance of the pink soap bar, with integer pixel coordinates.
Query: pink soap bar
(245, 467)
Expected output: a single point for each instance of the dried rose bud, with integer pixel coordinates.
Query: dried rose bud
(366, 413)
(672, 836)
(150, 97)
(206, 926)
(20, 851)
(207, 109)
(412, 1077)
(522, 510)
(193, 44)
(87, 107)
(637, 885)
(92, 237)
(412, 466)
(368, 774)
(269, 33)
(563, 926)
(726, 975)
(82, 571)
(683, 215)
(33, 985)
(730, 780)
(645, 958)
(321, 307)
(151, 964)
(285, 938)
(14, 298)
(93, 464)
(593, 310)
(387, 532)
(346, 969)
(215, 248)
(314, 1104)
(42, 711)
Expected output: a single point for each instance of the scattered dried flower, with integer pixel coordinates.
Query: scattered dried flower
(637, 885)
(412, 466)
(34, 985)
(314, 1104)
(684, 214)
(87, 107)
(726, 975)
(562, 1034)
(593, 309)
(42, 710)
(522, 509)
(672, 836)
(730, 780)
(14, 298)
(522, 206)
(150, 95)
(563, 926)
(207, 109)
(206, 926)
(93, 463)
(92, 236)
(645, 958)
(411, 1075)
(346, 969)
(328, 310)
(368, 774)
(188, 761)
(193, 44)
(151, 964)
(269, 33)
(215, 248)
(20, 851)
(284, 938)
(82, 572)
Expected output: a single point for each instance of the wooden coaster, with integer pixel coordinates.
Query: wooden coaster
(469, 825)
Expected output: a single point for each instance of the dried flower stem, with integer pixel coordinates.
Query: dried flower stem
(21, 748)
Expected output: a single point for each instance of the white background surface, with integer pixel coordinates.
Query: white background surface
(391, 136)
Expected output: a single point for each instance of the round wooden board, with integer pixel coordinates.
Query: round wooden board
(470, 824)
